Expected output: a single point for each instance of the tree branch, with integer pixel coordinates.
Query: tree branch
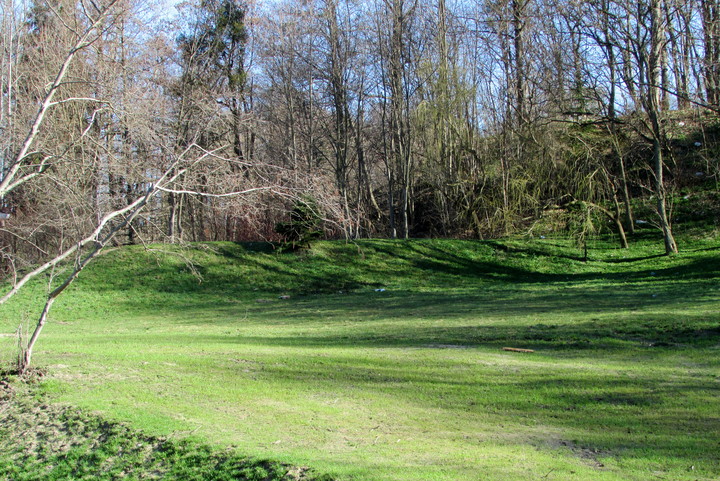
(10, 182)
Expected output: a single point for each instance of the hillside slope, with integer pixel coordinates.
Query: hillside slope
(383, 359)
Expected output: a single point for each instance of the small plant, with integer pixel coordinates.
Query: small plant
(13, 351)
(303, 226)
(581, 224)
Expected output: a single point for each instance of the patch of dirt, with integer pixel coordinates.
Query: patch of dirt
(589, 455)
(298, 474)
(447, 346)
(7, 392)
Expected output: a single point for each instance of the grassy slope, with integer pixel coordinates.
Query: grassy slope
(410, 383)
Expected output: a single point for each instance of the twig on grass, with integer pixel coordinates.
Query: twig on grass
(516, 349)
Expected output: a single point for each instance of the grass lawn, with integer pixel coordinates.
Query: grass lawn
(383, 360)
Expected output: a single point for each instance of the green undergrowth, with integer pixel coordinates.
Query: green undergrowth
(384, 360)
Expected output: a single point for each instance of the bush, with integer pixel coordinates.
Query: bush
(303, 226)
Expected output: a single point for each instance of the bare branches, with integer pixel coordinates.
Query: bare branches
(14, 176)
(77, 99)
(106, 230)
(218, 196)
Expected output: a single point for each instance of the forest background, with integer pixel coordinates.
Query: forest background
(121, 122)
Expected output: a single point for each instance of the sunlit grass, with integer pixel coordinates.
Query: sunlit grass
(384, 359)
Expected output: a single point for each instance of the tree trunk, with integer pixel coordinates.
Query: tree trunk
(711, 35)
(518, 37)
(629, 218)
(396, 100)
(653, 109)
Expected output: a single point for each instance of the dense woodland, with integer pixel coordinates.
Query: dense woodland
(130, 121)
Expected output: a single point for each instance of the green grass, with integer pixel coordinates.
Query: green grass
(41, 442)
(409, 383)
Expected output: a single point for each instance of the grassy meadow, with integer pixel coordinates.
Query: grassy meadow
(383, 360)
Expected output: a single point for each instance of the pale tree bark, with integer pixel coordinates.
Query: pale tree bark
(9, 53)
(518, 21)
(681, 50)
(368, 206)
(653, 107)
(109, 227)
(399, 121)
(22, 167)
(8, 81)
(608, 43)
(606, 40)
(382, 51)
(338, 73)
(513, 22)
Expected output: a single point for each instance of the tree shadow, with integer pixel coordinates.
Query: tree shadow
(424, 264)
(430, 258)
(635, 414)
(634, 312)
(628, 260)
(650, 333)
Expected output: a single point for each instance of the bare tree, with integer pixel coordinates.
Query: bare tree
(122, 155)
(27, 163)
(711, 46)
(653, 107)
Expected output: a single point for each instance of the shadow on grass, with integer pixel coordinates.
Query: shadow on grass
(486, 302)
(75, 445)
(451, 263)
(651, 334)
(471, 301)
(428, 258)
(637, 414)
(229, 269)
(238, 270)
(629, 260)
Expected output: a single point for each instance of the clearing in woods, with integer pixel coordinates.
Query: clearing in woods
(385, 360)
